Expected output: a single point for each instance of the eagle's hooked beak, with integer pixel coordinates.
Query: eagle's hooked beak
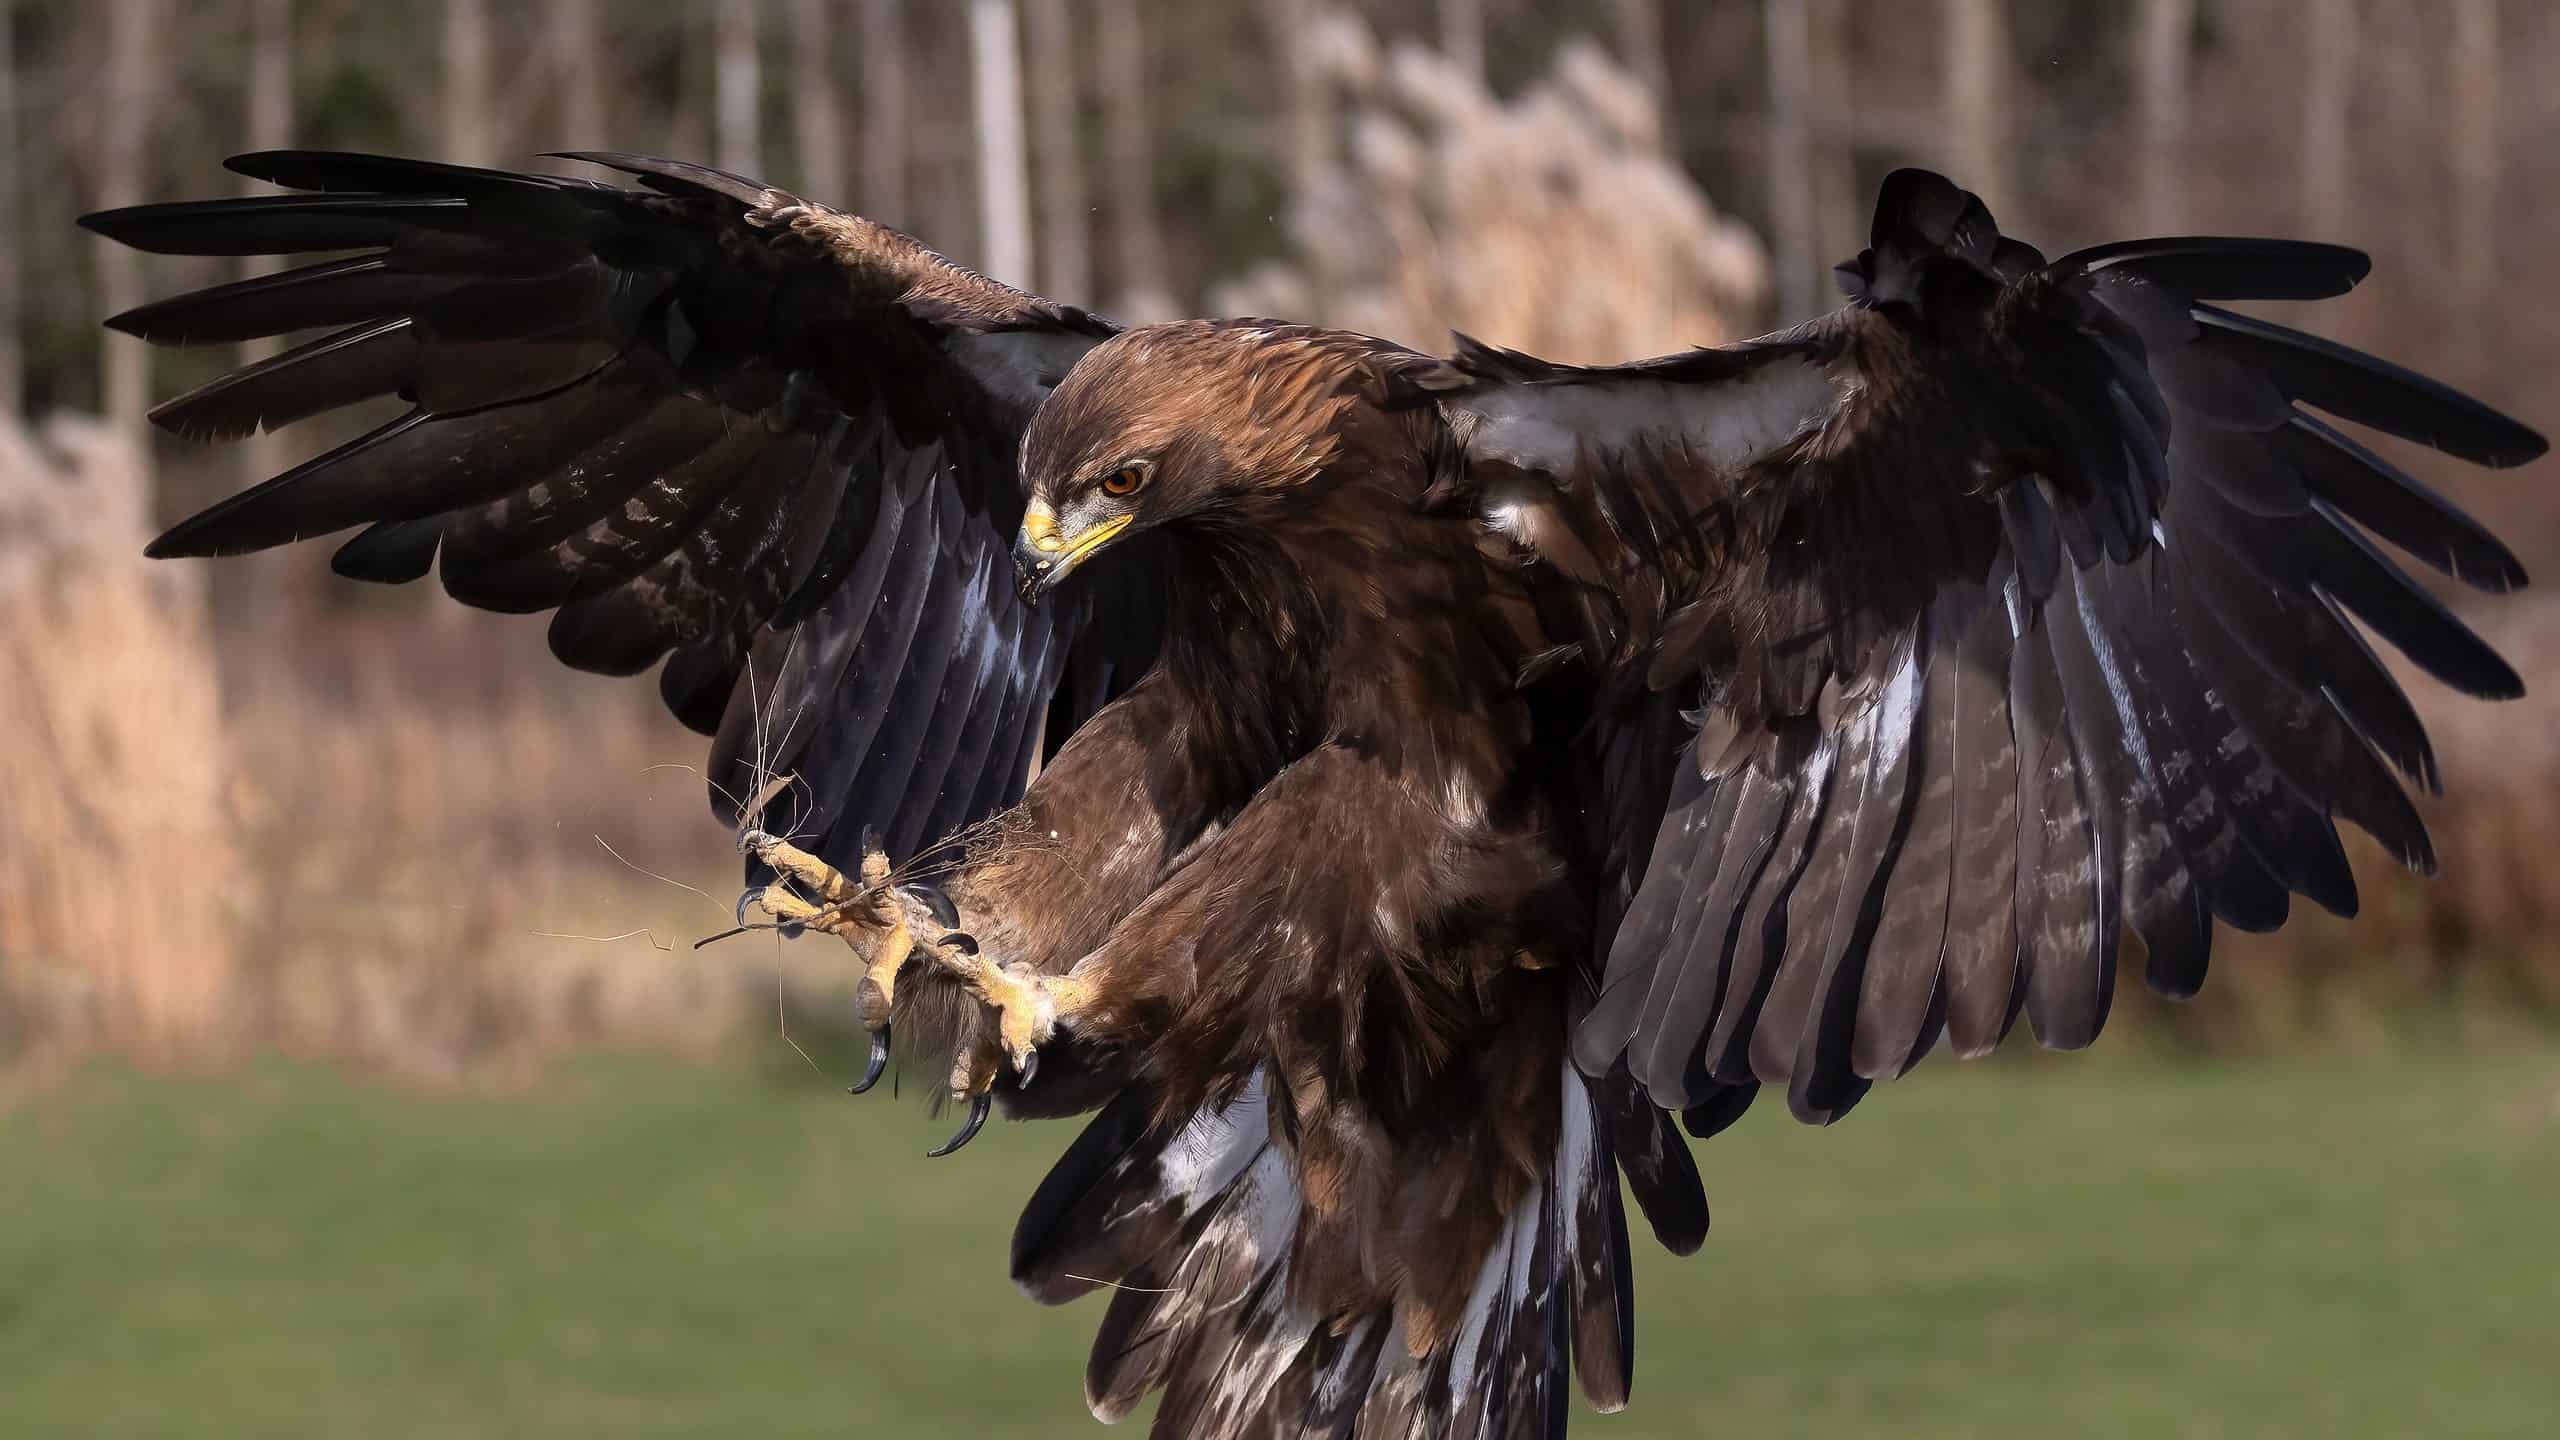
(1043, 555)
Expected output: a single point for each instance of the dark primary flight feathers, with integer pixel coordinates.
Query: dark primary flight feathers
(1464, 765)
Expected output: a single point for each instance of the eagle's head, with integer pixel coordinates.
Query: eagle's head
(1204, 424)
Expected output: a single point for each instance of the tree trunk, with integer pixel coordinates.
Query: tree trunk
(1137, 246)
(1791, 192)
(470, 134)
(817, 119)
(737, 107)
(13, 365)
(1640, 41)
(469, 138)
(134, 32)
(577, 63)
(1004, 181)
(1977, 80)
(11, 319)
(2473, 86)
(1057, 148)
(1462, 36)
(2163, 30)
(269, 127)
(2327, 91)
(1831, 102)
(884, 113)
(1313, 140)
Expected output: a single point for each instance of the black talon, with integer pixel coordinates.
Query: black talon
(1030, 1067)
(870, 840)
(879, 1062)
(945, 914)
(979, 1105)
(744, 900)
(962, 941)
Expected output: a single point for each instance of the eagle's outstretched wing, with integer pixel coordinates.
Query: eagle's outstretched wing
(2018, 604)
(704, 420)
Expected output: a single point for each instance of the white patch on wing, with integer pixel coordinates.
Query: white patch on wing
(1728, 423)
(1268, 1197)
(1510, 1267)
(1268, 1204)
(1499, 1284)
(1215, 1146)
(1334, 1386)
(1575, 1166)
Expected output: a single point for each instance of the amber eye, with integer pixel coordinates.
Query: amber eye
(1124, 482)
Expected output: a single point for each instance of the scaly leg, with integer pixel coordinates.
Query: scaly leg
(884, 919)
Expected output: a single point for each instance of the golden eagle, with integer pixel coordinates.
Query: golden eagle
(1461, 773)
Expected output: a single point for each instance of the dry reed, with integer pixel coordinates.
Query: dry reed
(406, 844)
(120, 878)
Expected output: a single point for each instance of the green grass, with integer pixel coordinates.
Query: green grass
(640, 1248)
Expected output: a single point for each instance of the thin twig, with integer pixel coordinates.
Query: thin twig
(1121, 1285)
(654, 875)
(782, 1019)
(696, 772)
(654, 942)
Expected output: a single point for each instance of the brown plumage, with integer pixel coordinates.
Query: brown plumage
(1458, 768)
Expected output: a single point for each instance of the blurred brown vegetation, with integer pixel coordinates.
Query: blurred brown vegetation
(248, 805)
(345, 833)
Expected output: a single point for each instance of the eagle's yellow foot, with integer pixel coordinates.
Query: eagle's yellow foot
(1028, 1007)
(888, 921)
(865, 911)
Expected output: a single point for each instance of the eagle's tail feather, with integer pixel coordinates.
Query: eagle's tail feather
(1196, 1228)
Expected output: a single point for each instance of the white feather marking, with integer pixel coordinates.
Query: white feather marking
(1726, 423)
(1267, 1217)
(1269, 1196)
(1505, 1278)
(1574, 1158)
(1333, 1389)
(1463, 802)
(1505, 1271)
(1215, 1146)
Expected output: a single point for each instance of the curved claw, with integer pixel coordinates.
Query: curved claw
(979, 1105)
(791, 929)
(870, 840)
(879, 1062)
(945, 914)
(960, 940)
(1030, 1066)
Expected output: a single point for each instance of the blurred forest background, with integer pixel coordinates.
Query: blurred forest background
(249, 805)
(251, 810)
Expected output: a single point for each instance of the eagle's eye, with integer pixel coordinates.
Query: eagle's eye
(1124, 482)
